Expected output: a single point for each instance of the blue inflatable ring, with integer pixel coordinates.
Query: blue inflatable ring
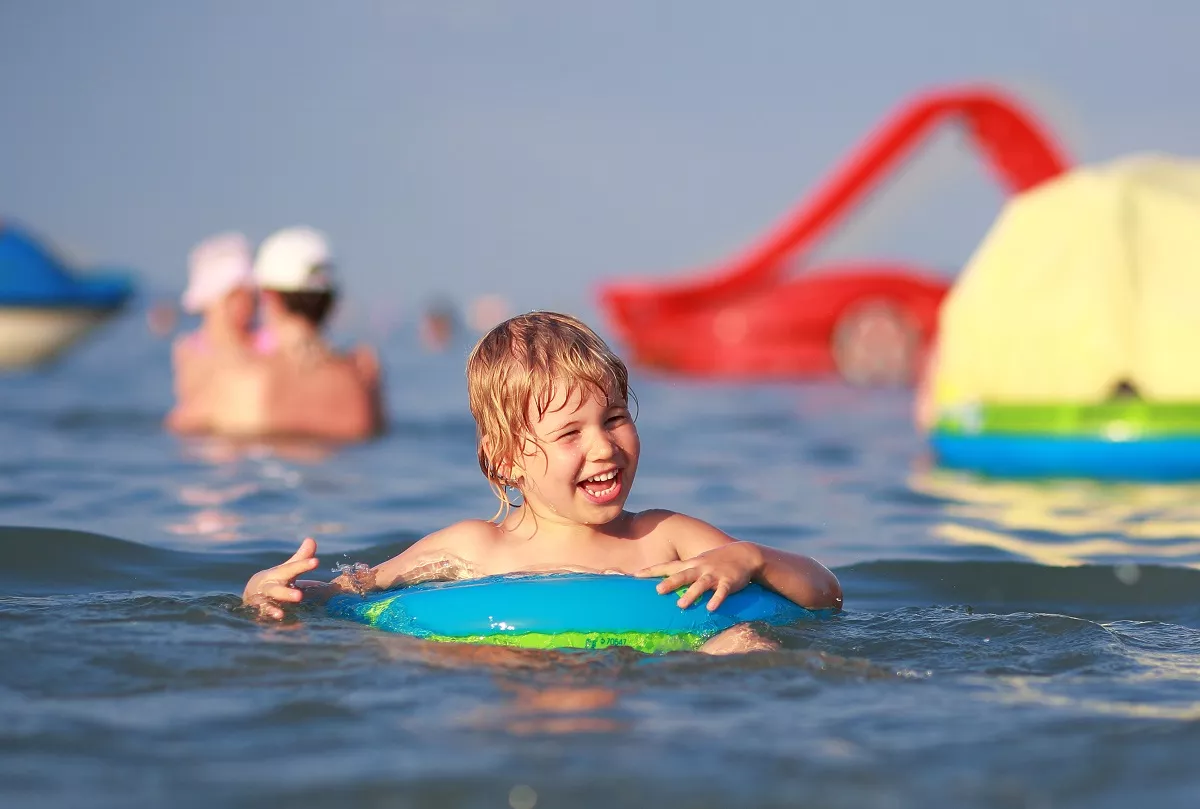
(1160, 459)
(562, 611)
(1118, 440)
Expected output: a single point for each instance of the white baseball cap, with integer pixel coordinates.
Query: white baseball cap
(295, 259)
(216, 266)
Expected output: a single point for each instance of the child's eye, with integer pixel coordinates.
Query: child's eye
(618, 418)
(567, 434)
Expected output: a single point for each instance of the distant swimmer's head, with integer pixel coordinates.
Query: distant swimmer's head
(220, 278)
(295, 267)
(525, 375)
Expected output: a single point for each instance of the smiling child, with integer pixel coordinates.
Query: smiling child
(551, 406)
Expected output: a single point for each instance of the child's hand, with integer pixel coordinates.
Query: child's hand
(724, 570)
(267, 588)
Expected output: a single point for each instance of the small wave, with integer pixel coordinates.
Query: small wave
(934, 642)
(42, 561)
(1108, 591)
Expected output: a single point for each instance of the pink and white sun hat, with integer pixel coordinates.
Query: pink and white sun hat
(217, 266)
(297, 259)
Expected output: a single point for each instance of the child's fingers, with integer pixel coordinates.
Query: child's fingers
(306, 550)
(270, 611)
(698, 588)
(718, 596)
(277, 591)
(677, 580)
(661, 569)
(292, 569)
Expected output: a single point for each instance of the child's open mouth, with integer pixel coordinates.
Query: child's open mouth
(603, 488)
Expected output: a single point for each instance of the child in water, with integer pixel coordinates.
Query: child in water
(551, 406)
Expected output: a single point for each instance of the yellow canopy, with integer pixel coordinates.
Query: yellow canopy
(1084, 282)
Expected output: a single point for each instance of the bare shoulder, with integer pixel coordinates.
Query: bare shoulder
(688, 535)
(661, 519)
(365, 361)
(292, 375)
(348, 370)
(466, 536)
(448, 553)
(467, 532)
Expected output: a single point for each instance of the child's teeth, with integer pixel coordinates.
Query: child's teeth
(603, 477)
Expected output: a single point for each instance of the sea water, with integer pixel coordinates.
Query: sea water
(1003, 645)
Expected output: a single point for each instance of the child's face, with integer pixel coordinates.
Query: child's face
(580, 438)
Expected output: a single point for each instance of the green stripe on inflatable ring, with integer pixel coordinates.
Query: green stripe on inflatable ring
(1121, 420)
(647, 642)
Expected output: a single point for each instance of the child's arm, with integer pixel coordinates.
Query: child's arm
(451, 553)
(712, 560)
(438, 556)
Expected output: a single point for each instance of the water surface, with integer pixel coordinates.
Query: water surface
(1003, 645)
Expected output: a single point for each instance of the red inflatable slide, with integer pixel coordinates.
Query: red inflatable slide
(745, 319)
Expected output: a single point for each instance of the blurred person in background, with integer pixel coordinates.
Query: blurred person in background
(438, 325)
(221, 290)
(877, 344)
(296, 384)
(487, 311)
(162, 317)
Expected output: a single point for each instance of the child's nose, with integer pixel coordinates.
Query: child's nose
(603, 447)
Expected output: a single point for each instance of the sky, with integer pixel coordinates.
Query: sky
(537, 148)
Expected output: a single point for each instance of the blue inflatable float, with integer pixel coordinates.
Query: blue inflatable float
(562, 611)
(45, 306)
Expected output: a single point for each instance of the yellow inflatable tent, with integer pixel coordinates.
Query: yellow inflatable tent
(1086, 282)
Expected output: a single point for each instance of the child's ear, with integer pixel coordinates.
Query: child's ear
(515, 468)
(512, 471)
(502, 468)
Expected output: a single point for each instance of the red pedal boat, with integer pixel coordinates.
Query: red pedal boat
(871, 323)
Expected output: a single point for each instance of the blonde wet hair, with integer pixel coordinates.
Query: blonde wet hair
(522, 362)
